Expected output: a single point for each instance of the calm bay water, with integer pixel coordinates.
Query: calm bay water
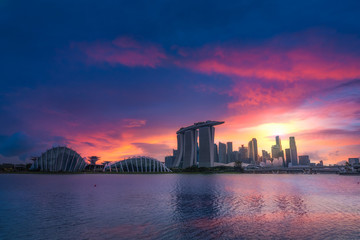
(179, 206)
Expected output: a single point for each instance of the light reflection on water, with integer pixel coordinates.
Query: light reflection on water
(179, 206)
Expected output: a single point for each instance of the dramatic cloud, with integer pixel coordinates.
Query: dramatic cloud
(307, 57)
(129, 81)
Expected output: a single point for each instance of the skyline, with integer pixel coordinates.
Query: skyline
(118, 80)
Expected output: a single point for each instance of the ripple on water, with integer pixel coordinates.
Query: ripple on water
(176, 206)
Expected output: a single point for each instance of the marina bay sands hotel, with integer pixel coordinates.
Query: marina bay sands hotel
(187, 145)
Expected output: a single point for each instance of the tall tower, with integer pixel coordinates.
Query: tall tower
(288, 156)
(222, 152)
(278, 142)
(188, 152)
(253, 150)
(250, 152)
(180, 150)
(293, 151)
(206, 148)
(216, 154)
(229, 151)
(243, 153)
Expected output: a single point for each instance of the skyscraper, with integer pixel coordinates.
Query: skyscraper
(206, 146)
(190, 156)
(288, 156)
(229, 152)
(275, 151)
(222, 152)
(188, 149)
(265, 155)
(293, 151)
(243, 151)
(278, 142)
(216, 154)
(253, 150)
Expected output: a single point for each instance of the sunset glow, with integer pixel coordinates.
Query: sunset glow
(122, 88)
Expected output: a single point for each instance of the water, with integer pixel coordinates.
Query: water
(179, 206)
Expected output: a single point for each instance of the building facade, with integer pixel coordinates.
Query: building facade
(243, 151)
(304, 160)
(188, 152)
(288, 156)
(222, 152)
(137, 164)
(59, 159)
(229, 152)
(293, 151)
(216, 153)
(253, 151)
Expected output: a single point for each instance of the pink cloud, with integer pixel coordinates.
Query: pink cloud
(270, 84)
(312, 58)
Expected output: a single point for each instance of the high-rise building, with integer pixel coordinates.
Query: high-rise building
(253, 151)
(275, 151)
(190, 156)
(229, 151)
(278, 142)
(288, 157)
(265, 155)
(216, 154)
(304, 160)
(243, 152)
(169, 161)
(293, 151)
(189, 152)
(250, 151)
(206, 146)
(222, 152)
(236, 156)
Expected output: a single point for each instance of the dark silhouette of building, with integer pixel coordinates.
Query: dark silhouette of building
(216, 153)
(253, 151)
(243, 151)
(59, 159)
(293, 151)
(304, 160)
(188, 145)
(288, 157)
(229, 152)
(222, 152)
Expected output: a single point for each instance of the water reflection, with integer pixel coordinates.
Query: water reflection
(176, 206)
(290, 204)
(195, 200)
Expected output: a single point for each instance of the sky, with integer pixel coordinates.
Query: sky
(119, 78)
